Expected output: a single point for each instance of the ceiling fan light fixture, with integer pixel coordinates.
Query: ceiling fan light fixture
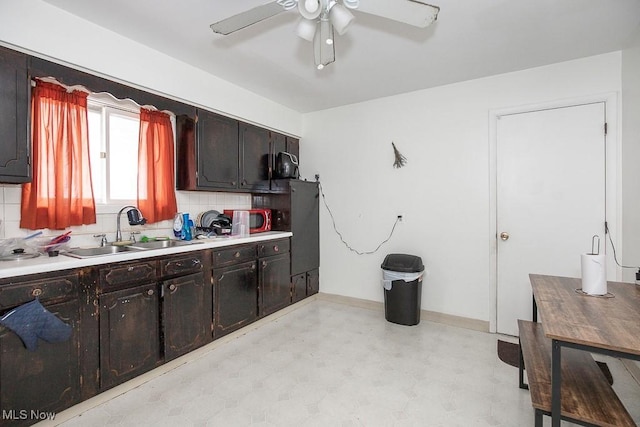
(310, 9)
(341, 18)
(351, 4)
(306, 29)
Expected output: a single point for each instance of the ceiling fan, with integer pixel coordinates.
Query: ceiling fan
(319, 19)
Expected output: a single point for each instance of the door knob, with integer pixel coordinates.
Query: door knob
(504, 235)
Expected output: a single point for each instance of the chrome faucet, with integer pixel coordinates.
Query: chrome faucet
(136, 219)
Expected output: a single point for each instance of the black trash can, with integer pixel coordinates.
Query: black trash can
(402, 282)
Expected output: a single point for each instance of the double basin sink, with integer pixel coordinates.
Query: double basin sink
(132, 247)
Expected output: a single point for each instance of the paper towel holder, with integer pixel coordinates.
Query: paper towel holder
(595, 245)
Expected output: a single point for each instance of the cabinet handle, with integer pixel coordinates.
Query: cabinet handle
(36, 292)
(264, 263)
(237, 255)
(130, 268)
(276, 248)
(150, 292)
(233, 183)
(172, 287)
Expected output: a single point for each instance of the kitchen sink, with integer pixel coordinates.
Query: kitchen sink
(100, 251)
(160, 244)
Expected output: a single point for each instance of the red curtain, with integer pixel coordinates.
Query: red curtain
(60, 194)
(156, 194)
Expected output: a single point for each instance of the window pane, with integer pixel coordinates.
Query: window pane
(123, 157)
(95, 148)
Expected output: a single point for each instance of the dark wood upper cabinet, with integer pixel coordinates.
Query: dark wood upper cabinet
(217, 153)
(207, 152)
(255, 161)
(15, 138)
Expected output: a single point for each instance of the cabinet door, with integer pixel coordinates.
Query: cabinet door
(275, 284)
(186, 314)
(236, 297)
(305, 225)
(254, 158)
(298, 287)
(129, 333)
(217, 151)
(14, 117)
(293, 146)
(47, 379)
(313, 282)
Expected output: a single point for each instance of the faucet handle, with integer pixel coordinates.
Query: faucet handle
(103, 239)
(132, 236)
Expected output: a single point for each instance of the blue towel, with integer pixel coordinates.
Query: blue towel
(31, 321)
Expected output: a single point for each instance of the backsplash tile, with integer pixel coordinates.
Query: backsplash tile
(193, 202)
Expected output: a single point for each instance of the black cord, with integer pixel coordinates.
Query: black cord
(615, 257)
(324, 200)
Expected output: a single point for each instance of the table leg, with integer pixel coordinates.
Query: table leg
(556, 382)
(535, 309)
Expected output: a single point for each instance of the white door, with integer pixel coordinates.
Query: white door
(550, 199)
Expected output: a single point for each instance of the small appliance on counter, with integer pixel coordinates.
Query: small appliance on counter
(259, 219)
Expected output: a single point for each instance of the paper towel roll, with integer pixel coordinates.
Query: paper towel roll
(594, 274)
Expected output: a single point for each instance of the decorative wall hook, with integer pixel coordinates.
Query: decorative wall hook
(400, 160)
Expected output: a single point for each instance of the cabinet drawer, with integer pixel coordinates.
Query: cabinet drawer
(273, 247)
(181, 264)
(234, 255)
(121, 274)
(14, 294)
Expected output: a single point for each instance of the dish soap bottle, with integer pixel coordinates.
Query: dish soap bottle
(186, 230)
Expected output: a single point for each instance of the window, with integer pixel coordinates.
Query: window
(114, 127)
(113, 142)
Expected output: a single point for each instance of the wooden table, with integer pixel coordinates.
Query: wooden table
(610, 326)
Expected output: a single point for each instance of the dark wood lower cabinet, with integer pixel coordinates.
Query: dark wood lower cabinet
(313, 282)
(275, 283)
(130, 317)
(186, 314)
(129, 333)
(45, 380)
(236, 297)
(304, 285)
(298, 287)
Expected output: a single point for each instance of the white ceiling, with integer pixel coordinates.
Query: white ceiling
(377, 57)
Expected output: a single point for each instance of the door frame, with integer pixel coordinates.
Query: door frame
(613, 202)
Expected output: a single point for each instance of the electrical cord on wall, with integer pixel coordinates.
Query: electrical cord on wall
(335, 228)
(615, 256)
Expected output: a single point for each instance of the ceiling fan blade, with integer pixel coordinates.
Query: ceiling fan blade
(412, 12)
(246, 18)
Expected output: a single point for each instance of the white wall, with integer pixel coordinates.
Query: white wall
(443, 191)
(631, 159)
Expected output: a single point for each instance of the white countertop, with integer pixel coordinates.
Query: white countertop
(44, 264)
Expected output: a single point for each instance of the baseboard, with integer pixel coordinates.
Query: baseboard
(431, 316)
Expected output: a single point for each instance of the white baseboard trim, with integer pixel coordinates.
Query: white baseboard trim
(431, 316)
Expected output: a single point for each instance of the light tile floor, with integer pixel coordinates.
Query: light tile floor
(329, 364)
